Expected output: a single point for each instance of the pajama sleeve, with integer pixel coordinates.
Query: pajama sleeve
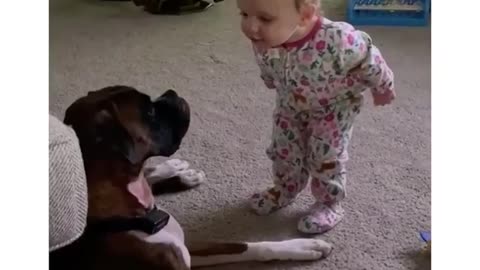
(356, 53)
(264, 74)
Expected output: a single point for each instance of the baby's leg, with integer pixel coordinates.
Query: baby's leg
(290, 175)
(327, 159)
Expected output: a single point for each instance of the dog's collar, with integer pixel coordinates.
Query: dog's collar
(153, 221)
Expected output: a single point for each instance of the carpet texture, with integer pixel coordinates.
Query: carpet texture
(204, 57)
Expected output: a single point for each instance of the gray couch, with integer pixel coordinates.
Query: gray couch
(68, 188)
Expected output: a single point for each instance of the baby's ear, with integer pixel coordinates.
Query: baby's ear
(307, 12)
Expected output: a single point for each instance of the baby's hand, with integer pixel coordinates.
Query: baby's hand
(380, 99)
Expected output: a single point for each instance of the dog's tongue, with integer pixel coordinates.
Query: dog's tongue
(141, 190)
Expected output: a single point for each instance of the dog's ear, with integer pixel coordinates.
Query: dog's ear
(99, 131)
(110, 134)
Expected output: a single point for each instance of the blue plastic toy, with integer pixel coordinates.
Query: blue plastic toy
(389, 12)
(427, 238)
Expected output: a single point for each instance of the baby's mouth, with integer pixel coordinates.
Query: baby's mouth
(255, 39)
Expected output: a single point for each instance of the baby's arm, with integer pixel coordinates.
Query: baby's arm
(266, 77)
(376, 74)
(359, 56)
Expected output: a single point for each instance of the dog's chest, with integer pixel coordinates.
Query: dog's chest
(172, 233)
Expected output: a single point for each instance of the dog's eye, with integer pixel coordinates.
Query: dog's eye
(151, 112)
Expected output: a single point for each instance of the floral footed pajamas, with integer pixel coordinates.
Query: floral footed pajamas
(320, 82)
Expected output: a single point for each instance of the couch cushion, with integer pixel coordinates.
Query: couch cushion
(68, 189)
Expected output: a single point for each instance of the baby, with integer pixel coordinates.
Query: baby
(320, 70)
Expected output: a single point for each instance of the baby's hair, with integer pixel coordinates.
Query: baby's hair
(299, 3)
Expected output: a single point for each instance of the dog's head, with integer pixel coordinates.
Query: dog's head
(119, 122)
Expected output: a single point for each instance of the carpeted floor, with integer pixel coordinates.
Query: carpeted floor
(206, 59)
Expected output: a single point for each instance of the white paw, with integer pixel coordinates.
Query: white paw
(296, 249)
(176, 165)
(167, 169)
(192, 178)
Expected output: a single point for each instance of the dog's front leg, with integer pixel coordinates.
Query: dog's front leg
(294, 249)
(173, 175)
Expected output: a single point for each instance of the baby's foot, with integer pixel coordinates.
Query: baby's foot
(321, 219)
(269, 201)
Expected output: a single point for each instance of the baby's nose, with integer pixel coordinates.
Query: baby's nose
(253, 26)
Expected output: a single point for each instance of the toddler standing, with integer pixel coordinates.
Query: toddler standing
(320, 70)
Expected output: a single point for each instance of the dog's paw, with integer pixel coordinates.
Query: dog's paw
(309, 249)
(176, 165)
(295, 249)
(192, 178)
(167, 169)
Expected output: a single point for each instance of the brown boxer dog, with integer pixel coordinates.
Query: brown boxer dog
(119, 128)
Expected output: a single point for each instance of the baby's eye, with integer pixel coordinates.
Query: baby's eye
(266, 20)
(243, 14)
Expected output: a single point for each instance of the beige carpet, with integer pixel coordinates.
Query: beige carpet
(205, 58)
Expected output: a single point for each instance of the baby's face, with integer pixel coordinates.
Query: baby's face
(268, 23)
